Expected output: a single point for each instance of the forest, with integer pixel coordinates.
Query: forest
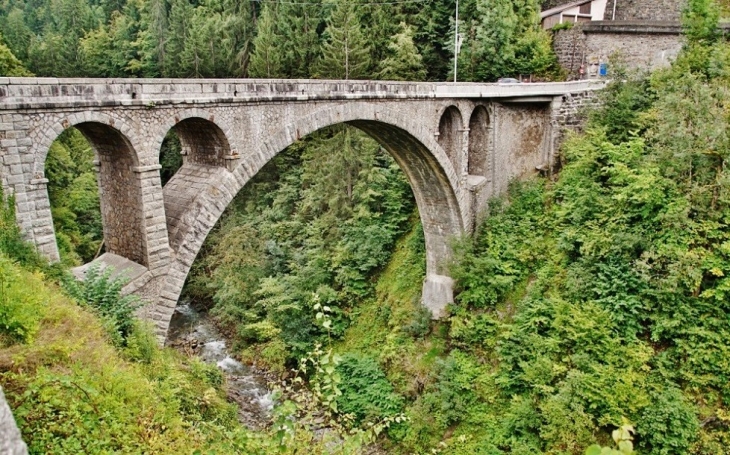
(588, 303)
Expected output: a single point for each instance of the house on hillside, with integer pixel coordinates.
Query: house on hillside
(576, 11)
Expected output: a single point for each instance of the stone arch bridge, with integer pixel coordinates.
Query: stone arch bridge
(458, 144)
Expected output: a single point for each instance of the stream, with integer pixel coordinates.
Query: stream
(193, 332)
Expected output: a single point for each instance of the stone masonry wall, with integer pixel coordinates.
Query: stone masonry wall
(638, 51)
(570, 48)
(569, 113)
(646, 10)
(635, 45)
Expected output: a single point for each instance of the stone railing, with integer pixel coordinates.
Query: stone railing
(20, 93)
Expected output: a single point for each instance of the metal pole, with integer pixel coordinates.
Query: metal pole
(613, 17)
(456, 39)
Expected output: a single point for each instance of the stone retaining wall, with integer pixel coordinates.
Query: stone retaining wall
(634, 45)
(570, 48)
(646, 10)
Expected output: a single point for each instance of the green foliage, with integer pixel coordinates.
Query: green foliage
(366, 392)
(74, 196)
(595, 296)
(345, 51)
(312, 227)
(669, 424)
(102, 293)
(621, 109)
(22, 298)
(9, 63)
(503, 38)
(311, 38)
(623, 438)
(266, 59)
(170, 157)
(404, 62)
(72, 392)
(562, 26)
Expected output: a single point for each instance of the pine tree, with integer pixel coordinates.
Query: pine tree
(379, 22)
(300, 43)
(179, 22)
(432, 22)
(404, 62)
(9, 64)
(153, 38)
(16, 33)
(266, 59)
(345, 54)
(237, 32)
(56, 51)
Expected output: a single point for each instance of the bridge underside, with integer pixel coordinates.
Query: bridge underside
(458, 144)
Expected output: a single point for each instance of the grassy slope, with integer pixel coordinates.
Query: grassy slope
(72, 392)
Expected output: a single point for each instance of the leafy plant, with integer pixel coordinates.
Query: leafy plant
(102, 293)
(623, 437)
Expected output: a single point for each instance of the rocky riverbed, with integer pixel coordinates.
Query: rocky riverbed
(194, 333)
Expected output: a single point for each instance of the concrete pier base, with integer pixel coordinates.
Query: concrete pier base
(438, 291)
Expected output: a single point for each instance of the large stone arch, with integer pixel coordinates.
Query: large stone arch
(120, 187)
(425, 163)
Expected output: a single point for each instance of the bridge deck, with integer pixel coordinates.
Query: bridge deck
(40, 93)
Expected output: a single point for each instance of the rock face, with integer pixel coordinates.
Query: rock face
(10, 441)
(458, 144)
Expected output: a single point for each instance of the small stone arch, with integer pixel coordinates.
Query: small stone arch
(120, 189)
(204, 138)
(51, 131)
(450, 135)
(478, 161)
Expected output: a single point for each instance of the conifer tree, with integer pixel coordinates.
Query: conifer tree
(433, 22)
(153, 39)
(9, 64)
(345, 54)
(179, 23)
(266, 59)
(300, 43)
(404, 62)
(236, 32)
(16, 33)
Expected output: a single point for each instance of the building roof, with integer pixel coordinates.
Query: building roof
(561, 8)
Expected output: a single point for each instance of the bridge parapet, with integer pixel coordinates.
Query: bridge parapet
(39, 93)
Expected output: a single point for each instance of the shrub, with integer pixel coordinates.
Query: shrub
(366, 392)
(21, 303)
(669, 424)
(103, 294)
